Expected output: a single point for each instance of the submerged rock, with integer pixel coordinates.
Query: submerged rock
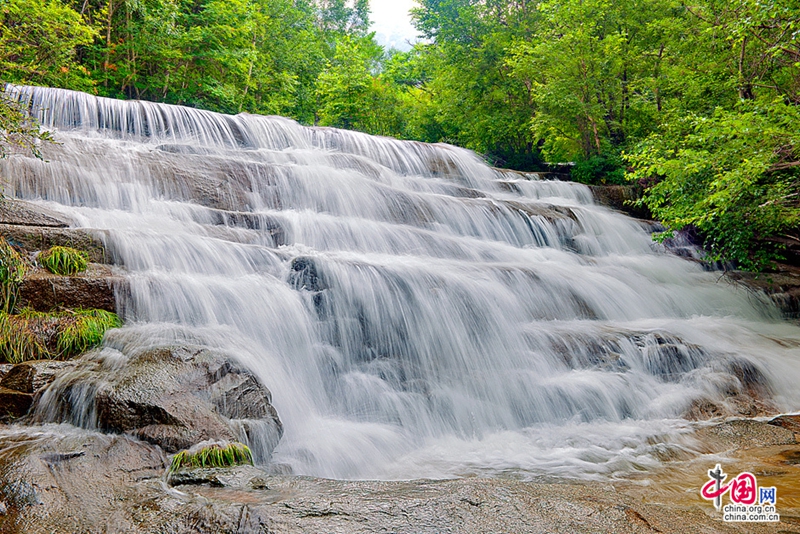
(172, 397)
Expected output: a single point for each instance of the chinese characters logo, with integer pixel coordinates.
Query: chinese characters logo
(749, 502)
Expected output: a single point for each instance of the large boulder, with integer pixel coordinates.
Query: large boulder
(173, 397)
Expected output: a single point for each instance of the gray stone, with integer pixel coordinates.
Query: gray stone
(33, 238)
(33, 377)
(172, 397)
(96, 287)
(21, 213)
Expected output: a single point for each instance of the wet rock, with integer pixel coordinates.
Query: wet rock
(240, 477)
(789, 422)
(34, 238)
(752, 379)
(62, 479)
(251, 221)
(14, 404)
(241, 396)
(781, 287)
(4, 369)
(745, 434)
(33, 377)
(21, 213)
(94, 288)
(304, 275)
(621, 197)
(172, 397)
(736, 404)
(19, 378)
(703, 409)
(57, 479)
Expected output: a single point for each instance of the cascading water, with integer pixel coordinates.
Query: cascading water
(414, 312)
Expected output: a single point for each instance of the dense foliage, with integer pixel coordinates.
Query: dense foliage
(698, 103)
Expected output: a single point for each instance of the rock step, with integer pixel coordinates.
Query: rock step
(33, 238)
(19, 212)
(97, 287)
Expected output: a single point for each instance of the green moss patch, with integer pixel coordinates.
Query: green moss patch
(64, 261)
(214, 455)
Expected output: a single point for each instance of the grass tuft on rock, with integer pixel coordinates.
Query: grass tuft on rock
(18, 341)
(12, 271)
(64, 261)
(83, 330)
(214, 455)
(33, 335)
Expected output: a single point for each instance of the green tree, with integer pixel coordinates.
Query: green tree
(726, 157)
(39, 41)
(471, 99)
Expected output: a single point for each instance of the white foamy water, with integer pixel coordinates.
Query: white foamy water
(414, 312)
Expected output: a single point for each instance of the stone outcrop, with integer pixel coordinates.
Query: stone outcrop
(621, 198)
(32, 228)
(171, 397)
(14, 404)
(21, 213)
(33, 377)
(22, 382)
(96, 287)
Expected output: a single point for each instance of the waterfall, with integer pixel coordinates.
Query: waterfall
(414, 312)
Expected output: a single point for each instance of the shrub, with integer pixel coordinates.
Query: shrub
(600, 169)
(64, 260)
(12, 271)
(214, 455)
